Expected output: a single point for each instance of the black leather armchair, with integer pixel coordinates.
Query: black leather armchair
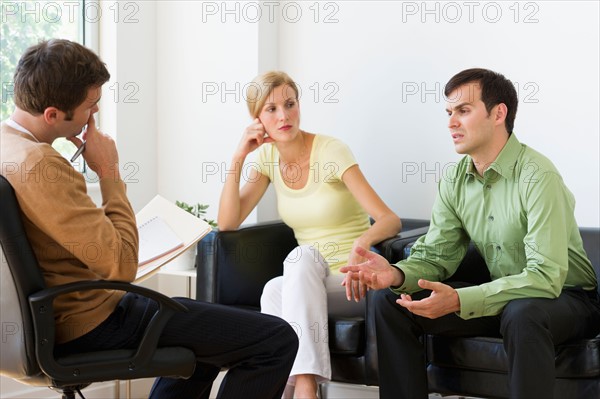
(233, 267)
(27, 346)
(477, 366)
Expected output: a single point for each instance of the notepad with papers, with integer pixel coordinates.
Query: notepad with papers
(165, 231)
(157, 238)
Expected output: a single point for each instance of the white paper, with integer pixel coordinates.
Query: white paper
(186, 226)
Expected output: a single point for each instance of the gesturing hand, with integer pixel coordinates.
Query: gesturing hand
(442, 301)
(375, 273)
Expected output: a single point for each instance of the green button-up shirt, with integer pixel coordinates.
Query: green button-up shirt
(519, 216)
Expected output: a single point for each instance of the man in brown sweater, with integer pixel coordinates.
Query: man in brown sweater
(57, 86)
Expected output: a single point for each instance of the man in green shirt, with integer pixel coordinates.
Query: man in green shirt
(513, 204)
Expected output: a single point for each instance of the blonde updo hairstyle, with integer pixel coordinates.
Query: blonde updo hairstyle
(260, 88)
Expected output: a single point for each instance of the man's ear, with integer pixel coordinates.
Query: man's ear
(500, 114)
(52, 115)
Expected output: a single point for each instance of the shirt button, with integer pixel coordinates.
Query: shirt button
(471, 313)
(491, 218)
(488, 187)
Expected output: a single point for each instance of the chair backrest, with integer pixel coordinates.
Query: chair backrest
(591, 244)
(474, 270)
(474, 265)
(23, 289)
(20, 277)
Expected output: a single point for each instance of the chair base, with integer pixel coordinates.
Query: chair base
(69, 393)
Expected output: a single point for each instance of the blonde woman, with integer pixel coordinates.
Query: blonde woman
(323, 196)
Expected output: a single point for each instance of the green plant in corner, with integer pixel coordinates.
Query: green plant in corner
(198, 210)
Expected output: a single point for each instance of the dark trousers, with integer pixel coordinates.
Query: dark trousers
(258, 349)
(529, 327)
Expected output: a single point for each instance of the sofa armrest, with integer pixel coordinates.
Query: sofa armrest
(234, 266)
(393, 249)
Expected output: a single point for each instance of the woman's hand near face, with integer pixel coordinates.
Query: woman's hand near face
(254, 136)
(236, 204)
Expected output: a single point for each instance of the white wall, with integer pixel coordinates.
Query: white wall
(128, 106)
(174, 142)
(197, 130)
(391, 60)
(371, 58)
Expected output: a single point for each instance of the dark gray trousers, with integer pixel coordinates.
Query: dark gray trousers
(258, 349)
(530, 329)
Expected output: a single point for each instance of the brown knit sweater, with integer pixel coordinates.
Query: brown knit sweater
(72, 238)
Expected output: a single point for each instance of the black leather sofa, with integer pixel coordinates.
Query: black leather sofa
(232, 268)
(477, 366)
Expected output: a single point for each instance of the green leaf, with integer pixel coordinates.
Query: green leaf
(198, 210)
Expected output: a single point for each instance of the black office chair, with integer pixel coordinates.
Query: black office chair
(27, 345)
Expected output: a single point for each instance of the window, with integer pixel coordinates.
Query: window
(25, 23)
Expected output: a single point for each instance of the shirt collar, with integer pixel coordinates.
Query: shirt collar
(504, 164)
(10, 122)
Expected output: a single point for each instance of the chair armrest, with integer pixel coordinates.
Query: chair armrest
(234, 266)
(42, 312)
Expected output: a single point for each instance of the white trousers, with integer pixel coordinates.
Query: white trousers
(300, 298)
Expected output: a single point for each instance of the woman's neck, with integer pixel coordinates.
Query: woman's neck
(295, 151)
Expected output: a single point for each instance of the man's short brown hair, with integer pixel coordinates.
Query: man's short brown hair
(56, 73)
(495, 89)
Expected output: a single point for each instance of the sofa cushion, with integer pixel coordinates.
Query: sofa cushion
(578, 359)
